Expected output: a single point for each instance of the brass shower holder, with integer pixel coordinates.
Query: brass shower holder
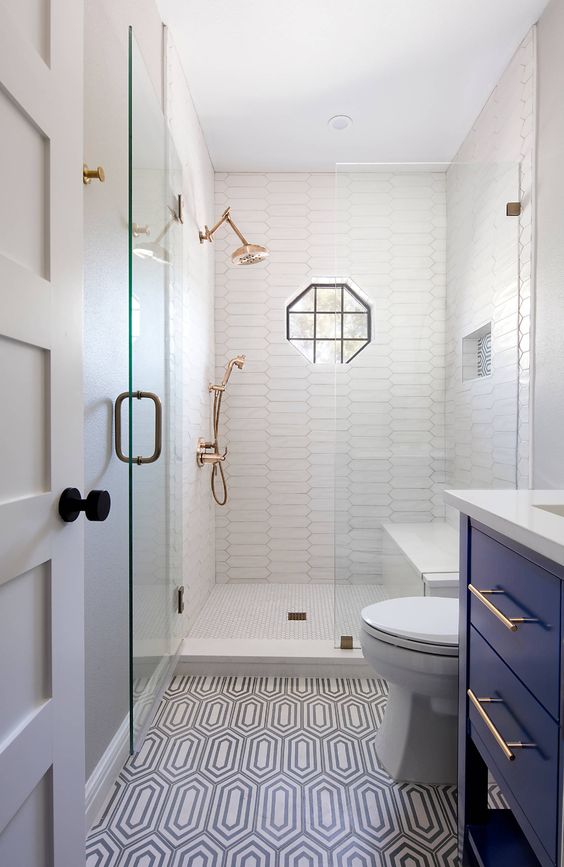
(206, 453)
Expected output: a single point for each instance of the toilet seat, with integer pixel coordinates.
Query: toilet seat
(428, 624)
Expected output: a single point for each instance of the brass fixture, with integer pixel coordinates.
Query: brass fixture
(140, 395)
(346, 642)
(297, 615)
(506, 747)
(239, 362)
(248, 254)
(208, 452)
(513, 209)
(89, 175)
(510, 623)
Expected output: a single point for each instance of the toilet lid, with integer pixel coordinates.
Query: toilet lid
(430, 619)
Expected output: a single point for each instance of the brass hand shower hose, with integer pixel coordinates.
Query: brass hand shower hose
(205, 456)
(217, 468)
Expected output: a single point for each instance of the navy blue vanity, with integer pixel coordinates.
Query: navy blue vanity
(510, 699)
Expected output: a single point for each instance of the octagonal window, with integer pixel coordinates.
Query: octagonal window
(328, 323)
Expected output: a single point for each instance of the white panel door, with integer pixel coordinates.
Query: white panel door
(41, 558)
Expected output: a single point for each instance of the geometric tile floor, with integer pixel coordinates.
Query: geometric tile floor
(270, 772)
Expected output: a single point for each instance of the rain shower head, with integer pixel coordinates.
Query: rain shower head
(248, 254)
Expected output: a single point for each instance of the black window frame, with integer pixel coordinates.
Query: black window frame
(342, 285)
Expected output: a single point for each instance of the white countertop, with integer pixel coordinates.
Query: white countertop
(514, 514)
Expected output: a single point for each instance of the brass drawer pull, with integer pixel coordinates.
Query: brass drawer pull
(510, 623)
(505, 746)
(158, 427)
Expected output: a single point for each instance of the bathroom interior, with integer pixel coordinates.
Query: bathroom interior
(322, 286)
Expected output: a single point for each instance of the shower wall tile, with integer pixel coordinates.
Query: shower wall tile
(489, 281)
(318, 454)
(196, 363)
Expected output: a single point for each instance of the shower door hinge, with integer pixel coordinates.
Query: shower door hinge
(346, 642)
(180, 600)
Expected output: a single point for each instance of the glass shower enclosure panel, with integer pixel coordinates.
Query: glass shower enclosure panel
(155, 255)
(432, 401)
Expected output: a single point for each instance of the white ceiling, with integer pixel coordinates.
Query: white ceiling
(266, 75)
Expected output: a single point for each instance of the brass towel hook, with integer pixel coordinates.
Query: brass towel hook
(89, 175)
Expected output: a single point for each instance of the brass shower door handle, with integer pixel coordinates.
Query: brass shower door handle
(158, 426)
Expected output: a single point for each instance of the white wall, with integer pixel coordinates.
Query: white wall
(548, 452)
(197, 350)
(106, 343)
(279, 412)
(489, 281)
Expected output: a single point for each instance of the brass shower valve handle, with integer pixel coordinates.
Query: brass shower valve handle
(205, 455)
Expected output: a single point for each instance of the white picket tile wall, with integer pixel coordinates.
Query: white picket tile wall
(318, 457)
(489, 280)
(386, 232)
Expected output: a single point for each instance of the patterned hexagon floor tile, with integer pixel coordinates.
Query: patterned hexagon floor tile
(270, 772)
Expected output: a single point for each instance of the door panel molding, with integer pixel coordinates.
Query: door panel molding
(41, 75)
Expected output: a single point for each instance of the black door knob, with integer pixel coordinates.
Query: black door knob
(96, 506)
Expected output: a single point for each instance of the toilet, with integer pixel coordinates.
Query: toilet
(412, 642)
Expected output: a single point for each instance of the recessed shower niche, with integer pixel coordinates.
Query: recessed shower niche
(477, 353)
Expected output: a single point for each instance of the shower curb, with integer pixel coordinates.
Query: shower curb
(269, 657)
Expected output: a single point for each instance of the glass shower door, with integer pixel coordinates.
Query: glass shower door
(155, 256)
(434, 401)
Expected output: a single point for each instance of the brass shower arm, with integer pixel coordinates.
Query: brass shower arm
(237, 231)
(208, 234)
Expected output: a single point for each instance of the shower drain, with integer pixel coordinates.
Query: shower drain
(297, 615)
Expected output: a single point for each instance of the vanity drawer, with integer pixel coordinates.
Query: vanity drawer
(530, 773)
(524, 590)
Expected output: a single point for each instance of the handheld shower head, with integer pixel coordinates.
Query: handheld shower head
(238, 361)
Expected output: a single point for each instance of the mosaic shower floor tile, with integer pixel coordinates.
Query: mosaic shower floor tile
(330, 611)
(270, 772)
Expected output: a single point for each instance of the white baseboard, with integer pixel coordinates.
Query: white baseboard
(101, 780)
